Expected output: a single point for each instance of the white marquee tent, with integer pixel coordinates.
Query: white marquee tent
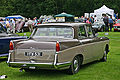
(104, 10)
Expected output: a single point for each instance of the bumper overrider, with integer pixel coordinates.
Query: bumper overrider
(32, 65)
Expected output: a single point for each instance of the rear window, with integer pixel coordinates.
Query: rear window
(63, 32)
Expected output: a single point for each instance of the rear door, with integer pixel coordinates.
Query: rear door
(86, 39)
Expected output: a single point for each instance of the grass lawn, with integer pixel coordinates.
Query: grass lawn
(109, 70)
(24, 34)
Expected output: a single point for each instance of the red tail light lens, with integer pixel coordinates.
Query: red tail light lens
(11, 45)
(57, 47)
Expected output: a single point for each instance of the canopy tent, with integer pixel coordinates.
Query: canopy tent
(104, 10)
(14, 16)
(64, 15)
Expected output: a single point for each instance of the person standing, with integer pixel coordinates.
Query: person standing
(8, 26)
(106, 20)
(30, 23)
(88, 21)
(85, 19)
(91, 20)
(82, 19)
(117, 15)
(110, 23)
(35, 21)
(13, 25)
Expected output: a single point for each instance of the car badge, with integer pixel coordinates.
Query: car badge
(32, 48)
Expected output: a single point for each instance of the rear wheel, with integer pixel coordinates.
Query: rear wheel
(75, 66)
(104, 59)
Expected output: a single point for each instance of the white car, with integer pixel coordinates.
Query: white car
(99, 26)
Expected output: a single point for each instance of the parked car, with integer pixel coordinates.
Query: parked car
(99, 26)
(58, 46)
(5, 39)
(117, 26)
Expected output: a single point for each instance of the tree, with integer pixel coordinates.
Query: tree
(32, 8)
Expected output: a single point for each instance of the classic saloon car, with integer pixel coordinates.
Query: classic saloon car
(5, 39)
(58, 46)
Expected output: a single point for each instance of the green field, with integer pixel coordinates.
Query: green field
(97, 70)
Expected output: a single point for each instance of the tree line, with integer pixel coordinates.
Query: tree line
(32, 8)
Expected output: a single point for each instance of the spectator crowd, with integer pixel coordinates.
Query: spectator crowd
(15, 25)
(107, 20)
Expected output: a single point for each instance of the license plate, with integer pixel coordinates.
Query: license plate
(33, 53)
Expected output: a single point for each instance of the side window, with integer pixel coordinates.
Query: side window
(81, 32)
(89, 31)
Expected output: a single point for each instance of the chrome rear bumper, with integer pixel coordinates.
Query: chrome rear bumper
(52, 65)
(57, 66)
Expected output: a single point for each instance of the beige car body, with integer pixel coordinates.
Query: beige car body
(89, 48)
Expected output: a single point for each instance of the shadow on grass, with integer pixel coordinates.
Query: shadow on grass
(2, 59)
(52, 74)
(47, 74)
(90, 64)
(44, 74)
(117, 54)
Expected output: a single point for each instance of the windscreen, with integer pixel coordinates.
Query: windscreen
(63, 32)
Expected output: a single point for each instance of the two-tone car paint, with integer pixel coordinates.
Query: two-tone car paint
(90, 48)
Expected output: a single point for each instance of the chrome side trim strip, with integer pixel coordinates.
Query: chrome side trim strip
(64, 63)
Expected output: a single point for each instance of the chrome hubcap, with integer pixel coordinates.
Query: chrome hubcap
(76, 64)
(105, 55)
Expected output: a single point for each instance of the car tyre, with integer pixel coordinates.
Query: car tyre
(75, 66)
(104, 58)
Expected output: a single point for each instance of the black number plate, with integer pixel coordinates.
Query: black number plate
(33, 53)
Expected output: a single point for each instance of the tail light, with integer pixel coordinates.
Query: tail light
(57, 47)
(11, 45)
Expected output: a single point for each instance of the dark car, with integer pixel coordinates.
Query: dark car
(5, 39)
